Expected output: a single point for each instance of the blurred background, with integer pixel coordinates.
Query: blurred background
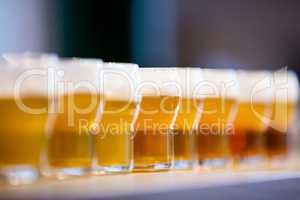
(208, 33)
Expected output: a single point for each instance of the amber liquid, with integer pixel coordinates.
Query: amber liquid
(113, 143)
(249, 129)
(276, 137)
(69, 138)
(153, 138)
(276, 143)
(214, 127)
(184, 143)
(21, 133)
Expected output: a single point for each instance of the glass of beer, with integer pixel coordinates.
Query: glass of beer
(113, 144)
(24, 110)
(187, 119)
(279, 132)
(253, 117)
(71, 125)
(219, 90)
(157, 111)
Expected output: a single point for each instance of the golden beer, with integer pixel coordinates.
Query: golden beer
(184, 143)
(70, 129)
(69, 140)
(253, 116)
(153, 138)
(24, 110)
(276, 140)
(282, 121)
(214, 128)
(21, 133)
(113, 146)
(113, 143)
(187, 119)
(220, 88)
(248, 139)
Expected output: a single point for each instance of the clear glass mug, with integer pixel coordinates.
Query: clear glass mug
(24, 105)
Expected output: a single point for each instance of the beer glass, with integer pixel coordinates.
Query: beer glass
(113, 144)
(220, 92)
(70, 129)
(286, 95)
(188, 118)
(253, 117)
(24, 110)
(153, 139)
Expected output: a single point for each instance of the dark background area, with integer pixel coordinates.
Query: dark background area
(95, 29)
(257, 34)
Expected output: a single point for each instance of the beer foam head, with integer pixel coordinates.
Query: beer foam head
(81, 61)
(120, 81)
(31, 60)
(80, 75)
(20, 82)
(286, 85)
(189, 80)
(159, 82)
(218, 83)
(255, 86)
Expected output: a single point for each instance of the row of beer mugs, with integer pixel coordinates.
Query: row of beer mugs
(66, 117)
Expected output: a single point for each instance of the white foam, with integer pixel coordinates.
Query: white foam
(16, 82)
(120, 81)
(83, 62)
(255, 86)
(68, 76)
(189, 80)
(219, 83)
(29, 72)
(159, 82)
(286, 81)
(80, 75)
